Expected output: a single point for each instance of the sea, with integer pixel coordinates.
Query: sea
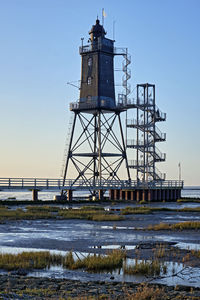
(187, 192)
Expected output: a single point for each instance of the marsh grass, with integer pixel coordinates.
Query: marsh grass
(148, 210)
(44, 208)
(135, 210)
(89, 214)
(51, 212)
(20, 214)
(92, 207)
(29, 260)
(96, 263)
(145, 292)
(159, 251)
(43, 260)
(189, 209)
(93, 213)
(107, 217)
(194, 225)
(195, 200)
(142, 210)
(150, 268)
(196, 253)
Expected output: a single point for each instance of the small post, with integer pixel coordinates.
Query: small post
(175, 194)
(100, 195)
(149, 195)
(116, 194)
(132, 195)
(159, 194)
(82, 39)
(111, 194)
(138, 195)
(69, 195)
(155, 195)
(167, 194)
(179, 172)
(143, 195)
(163, 194)
(35, 195)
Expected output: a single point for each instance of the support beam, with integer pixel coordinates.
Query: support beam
(100, 195)
(178, 194)
(116, 194)
(111, 194)
(143, 195)
(69, 195)
(175, 195)
(159, 195)
(171, 195)
(122, 195)
(35, 195)
(138, 195)
(150, 192)
(155, 195)
(167, 194)
(163, 194)
(127, 195)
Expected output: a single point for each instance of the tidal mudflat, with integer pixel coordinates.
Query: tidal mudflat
(176, 250)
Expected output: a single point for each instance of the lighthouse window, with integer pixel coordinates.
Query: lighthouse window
(89, 61)
(89, 81)
(89, 98)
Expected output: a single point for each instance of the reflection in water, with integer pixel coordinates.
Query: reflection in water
(177, 273)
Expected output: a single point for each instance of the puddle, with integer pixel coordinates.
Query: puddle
(188, 246)
(119, 227)
(112, 247)
(178, 217)
(17, 250)
(178, 274)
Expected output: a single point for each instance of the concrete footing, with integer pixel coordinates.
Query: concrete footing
(145, 194)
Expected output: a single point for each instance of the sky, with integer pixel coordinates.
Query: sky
(39, 54)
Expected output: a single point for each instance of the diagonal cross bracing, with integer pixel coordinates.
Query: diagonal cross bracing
(96, 152)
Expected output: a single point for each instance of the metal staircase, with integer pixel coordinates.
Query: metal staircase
(127, 74)
(148, 134)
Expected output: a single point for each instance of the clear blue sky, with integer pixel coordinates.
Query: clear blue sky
(39, 54)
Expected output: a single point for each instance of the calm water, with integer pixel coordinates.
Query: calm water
(50, 195)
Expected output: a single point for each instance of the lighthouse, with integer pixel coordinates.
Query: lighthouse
(96, 151)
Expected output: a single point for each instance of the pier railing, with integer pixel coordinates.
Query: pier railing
(57, 184)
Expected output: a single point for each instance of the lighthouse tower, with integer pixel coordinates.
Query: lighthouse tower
(97, 76)
(96, 152)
